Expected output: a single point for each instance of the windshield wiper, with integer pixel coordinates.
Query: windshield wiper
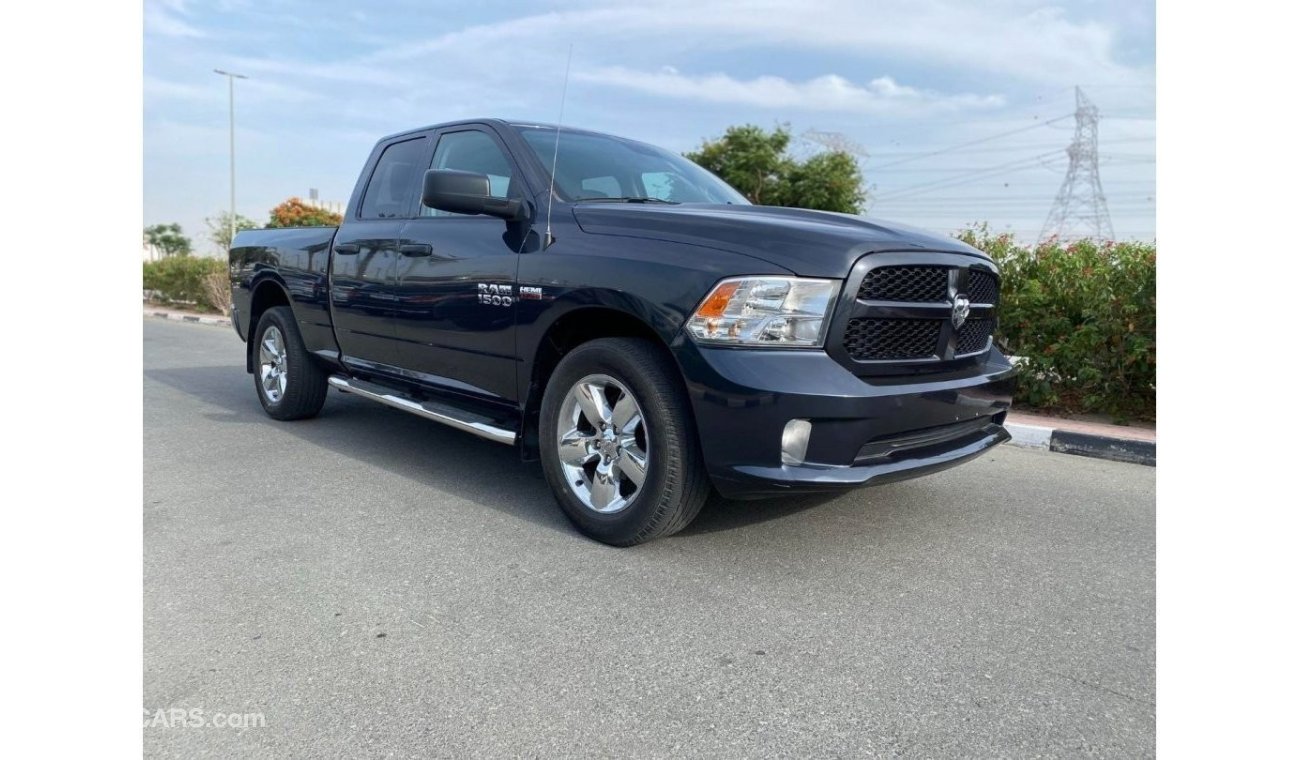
(626, 199)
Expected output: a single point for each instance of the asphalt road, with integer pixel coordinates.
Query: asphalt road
(376, 585)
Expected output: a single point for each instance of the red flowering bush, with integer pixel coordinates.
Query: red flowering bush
(296, 213)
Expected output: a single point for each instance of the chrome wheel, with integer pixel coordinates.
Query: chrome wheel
(274, 369)
(603, 445)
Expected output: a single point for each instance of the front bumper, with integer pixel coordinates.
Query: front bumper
(865, 430)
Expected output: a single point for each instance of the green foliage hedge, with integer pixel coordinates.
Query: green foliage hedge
(1083, 319)
(179, 279)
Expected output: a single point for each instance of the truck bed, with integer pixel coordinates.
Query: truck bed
(299, 258)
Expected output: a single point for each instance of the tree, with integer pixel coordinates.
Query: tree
(168, 238)
(757, 163)
(295, 213)
(219, 228)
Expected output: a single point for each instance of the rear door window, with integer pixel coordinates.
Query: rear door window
(392, 185)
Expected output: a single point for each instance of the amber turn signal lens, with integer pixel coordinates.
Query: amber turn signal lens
(716, 303)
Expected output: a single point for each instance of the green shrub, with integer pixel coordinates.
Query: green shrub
(1082, 317)
(179, 279)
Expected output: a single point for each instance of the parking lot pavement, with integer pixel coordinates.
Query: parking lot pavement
(373, 584)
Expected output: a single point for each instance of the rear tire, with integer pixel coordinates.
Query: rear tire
(618, 442)
(290, 384)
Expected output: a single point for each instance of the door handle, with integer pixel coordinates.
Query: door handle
(415, 249)
(347, 249)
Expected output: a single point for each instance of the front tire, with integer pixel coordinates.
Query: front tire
(290, 384)
(619, 447)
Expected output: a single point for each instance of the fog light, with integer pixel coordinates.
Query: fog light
(794, 441)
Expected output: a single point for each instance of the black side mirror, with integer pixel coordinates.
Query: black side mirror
(467, 193)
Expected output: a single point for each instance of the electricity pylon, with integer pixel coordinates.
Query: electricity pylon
(1080, 211)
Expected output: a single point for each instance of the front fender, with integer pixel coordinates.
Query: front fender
(658, 283)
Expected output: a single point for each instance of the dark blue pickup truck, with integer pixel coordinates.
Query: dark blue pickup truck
(630, 320)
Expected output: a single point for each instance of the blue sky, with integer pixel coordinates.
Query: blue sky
(900, 80)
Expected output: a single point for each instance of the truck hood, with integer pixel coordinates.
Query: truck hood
(808, 243)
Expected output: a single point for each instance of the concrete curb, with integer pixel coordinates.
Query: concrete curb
(177, 317)
(1083, 444)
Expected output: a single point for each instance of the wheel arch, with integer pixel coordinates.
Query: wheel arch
(268, 293)
(566, 332)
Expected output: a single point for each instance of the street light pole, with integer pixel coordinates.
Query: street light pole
(231, 77)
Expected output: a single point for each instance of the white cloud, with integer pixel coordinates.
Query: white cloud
(1032, 42)
(214, 90)
(163, 17)
(1011, 42)
(825, 93)
(156, 89)
(335, 71)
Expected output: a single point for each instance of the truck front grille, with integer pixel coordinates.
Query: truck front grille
(923, 283)
(905, 312)
(878, 339)
(983, 288)
(973, 337)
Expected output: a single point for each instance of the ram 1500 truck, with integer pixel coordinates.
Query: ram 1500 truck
(629, 319)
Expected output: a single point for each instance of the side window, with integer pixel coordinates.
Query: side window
(474, 151)
(393, 181)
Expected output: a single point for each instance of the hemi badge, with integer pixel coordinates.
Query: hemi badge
(529, 293)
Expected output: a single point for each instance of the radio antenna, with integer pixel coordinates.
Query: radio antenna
(555, 157)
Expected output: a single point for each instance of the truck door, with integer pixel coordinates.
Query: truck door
(365, 255)
(456, 296)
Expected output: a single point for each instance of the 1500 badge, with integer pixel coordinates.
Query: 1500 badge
(492, 294)
(504, 295)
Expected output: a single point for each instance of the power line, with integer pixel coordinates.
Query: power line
(1009, 149)
(834, 140)
(1113, 158)
(932, 186)
(959, 146)
(1033, 162)
(973, 201)
(1033, 184)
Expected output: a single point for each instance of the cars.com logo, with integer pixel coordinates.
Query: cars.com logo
(197, 717)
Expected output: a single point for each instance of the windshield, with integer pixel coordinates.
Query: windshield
(598, 167)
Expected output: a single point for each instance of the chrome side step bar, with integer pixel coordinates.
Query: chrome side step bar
(430, 410)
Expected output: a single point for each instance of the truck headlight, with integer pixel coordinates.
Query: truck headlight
(780, 312)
